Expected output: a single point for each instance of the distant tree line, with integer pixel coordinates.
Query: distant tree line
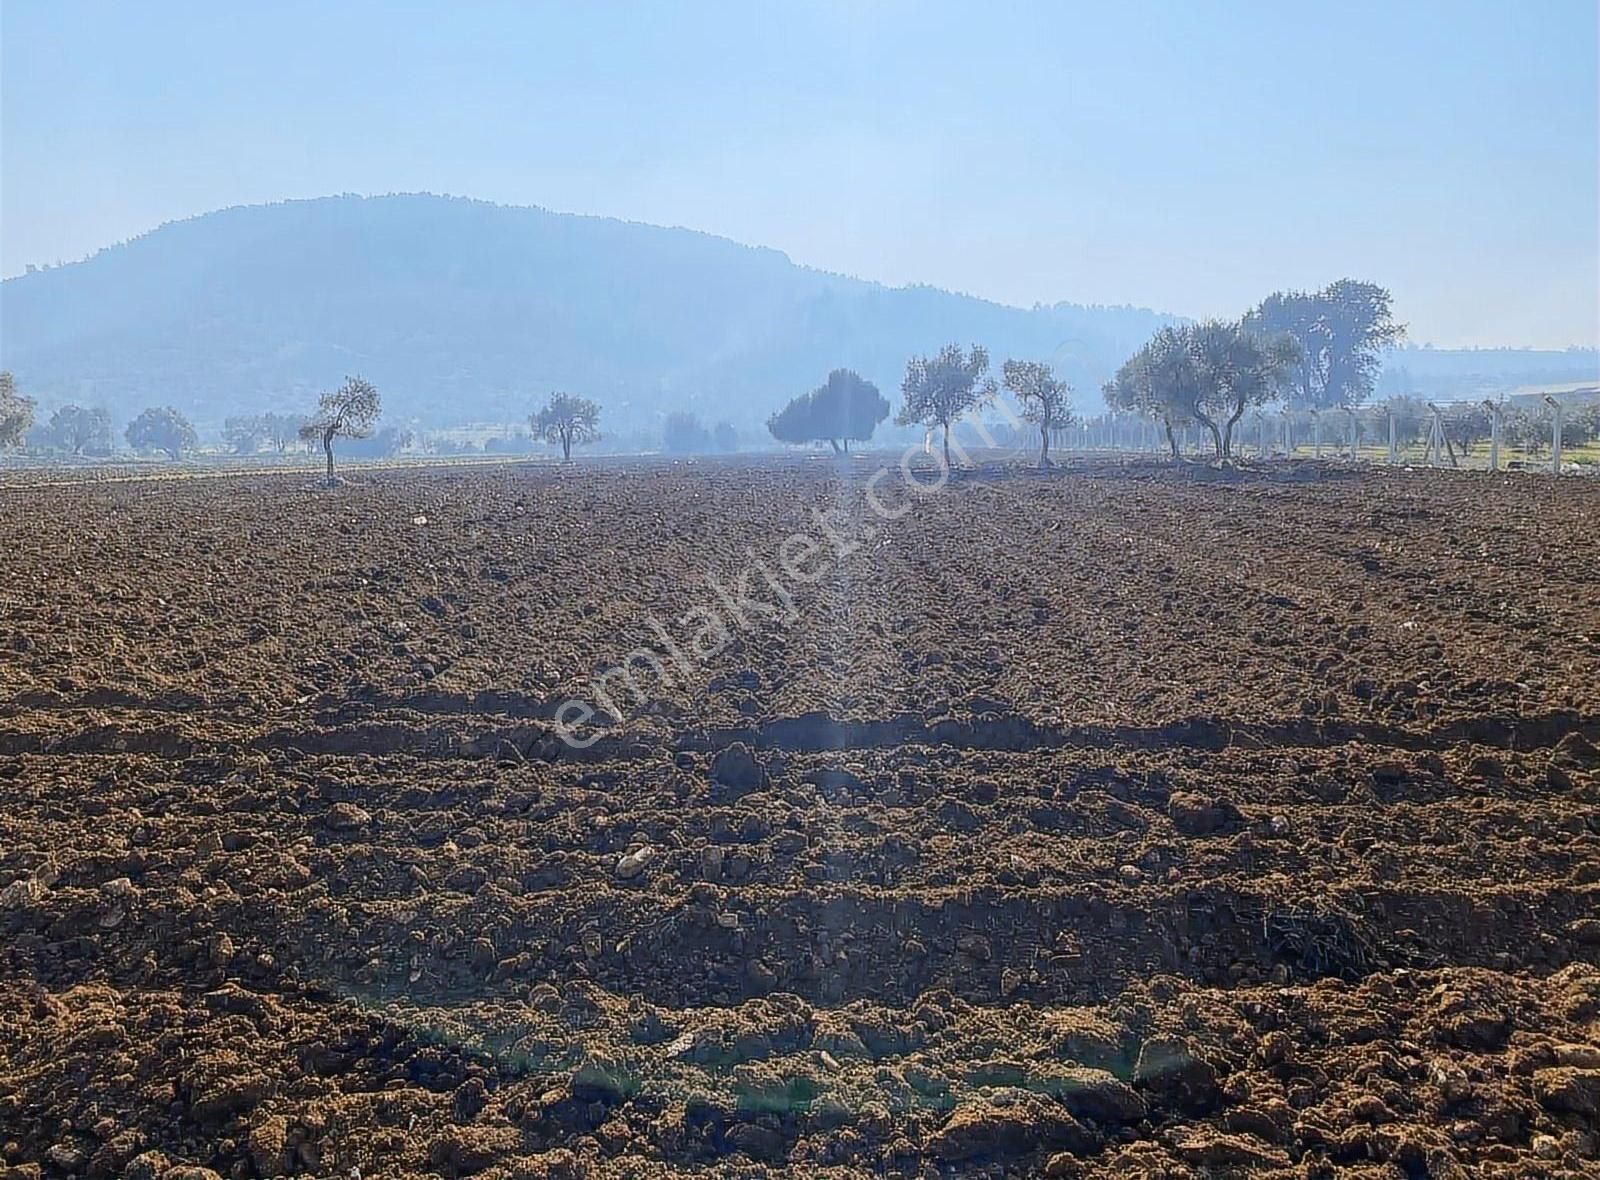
(254, 433)
(684, 434)
(348, 412)
(1307, 352)
(937, 392)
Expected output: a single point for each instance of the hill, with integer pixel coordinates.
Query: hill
(462, 310)
(1463, 374)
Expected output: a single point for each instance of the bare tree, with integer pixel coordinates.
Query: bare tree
(1045, 399)
(568, 420)
(347, 412)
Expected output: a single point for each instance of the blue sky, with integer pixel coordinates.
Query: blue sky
(1188, 156)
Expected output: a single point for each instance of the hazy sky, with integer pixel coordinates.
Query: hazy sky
(1185, 155)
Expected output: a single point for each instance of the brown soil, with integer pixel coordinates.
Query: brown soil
(1116, 822)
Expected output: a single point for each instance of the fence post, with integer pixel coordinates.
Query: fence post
(1316, 433)
(1494, 435)
(1441, 443)
(1288, 435)
(1555, 434)
(1352, 431)
(1392, 437)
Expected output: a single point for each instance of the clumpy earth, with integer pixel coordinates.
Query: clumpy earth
(1121, 821)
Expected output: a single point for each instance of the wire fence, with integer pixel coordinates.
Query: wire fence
(1547, 435)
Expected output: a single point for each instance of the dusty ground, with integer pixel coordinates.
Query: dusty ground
(1120, 822)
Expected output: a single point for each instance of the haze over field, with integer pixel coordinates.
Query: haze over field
(459, 310)
(462, 310)
(1089, 163)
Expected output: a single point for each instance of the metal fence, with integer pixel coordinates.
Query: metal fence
(1555, 436)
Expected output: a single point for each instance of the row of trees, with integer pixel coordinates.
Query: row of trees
(683, 433)
(1319, 350)
(256, 432)
(79, 431)
(1525, 426)
(349, 411)
(937, 391)
(566, 420)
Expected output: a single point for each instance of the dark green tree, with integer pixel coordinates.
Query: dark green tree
(845, 408)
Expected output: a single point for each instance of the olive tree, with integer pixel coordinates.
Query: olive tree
(1237, 368)
(350, 411)
(78, 431)
(567, 420)
(243, 434)
(1209, 372)
(161, 428)
(1467, 426)
(16, 413)
(1046, 400)
(1156, 382)
(940, 388)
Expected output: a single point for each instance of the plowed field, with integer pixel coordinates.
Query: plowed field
(1121, 821)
